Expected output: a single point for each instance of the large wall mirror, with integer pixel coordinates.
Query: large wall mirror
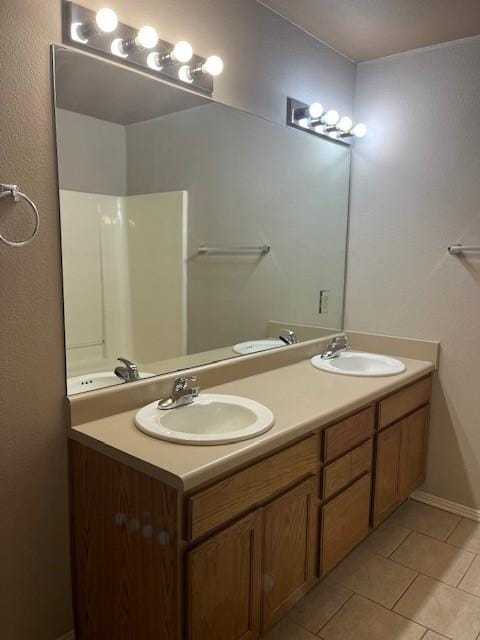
(191, 231)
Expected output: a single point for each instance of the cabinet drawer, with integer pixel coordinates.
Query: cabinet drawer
(405, 401)
(345, 523)
(348, 433)
(343, 471)
(246, 489)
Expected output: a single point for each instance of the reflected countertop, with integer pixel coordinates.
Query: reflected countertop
(301, 397)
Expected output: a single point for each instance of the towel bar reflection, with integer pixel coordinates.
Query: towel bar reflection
(12, 191)
(234, 251)
(459, 249)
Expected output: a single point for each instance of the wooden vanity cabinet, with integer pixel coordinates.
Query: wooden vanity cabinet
(227, 561)
(401, 449)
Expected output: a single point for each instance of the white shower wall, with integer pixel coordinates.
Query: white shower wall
(116, 251)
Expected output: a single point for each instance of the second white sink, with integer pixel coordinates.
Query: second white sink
(358, 363)
(210, 419)
(254, 346)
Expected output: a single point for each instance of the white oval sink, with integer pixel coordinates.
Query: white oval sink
(357, 363)
(99, 380)
(210, 419)
(254, 346)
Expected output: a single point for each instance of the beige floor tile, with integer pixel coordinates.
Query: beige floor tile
(288, 630)
(317, 607)
(361, 619)
(442, 608)
(386, 539)
(467, 535)
(431, 635)
(425, 519)
(374, 577)
(471, 582)
(436, 559)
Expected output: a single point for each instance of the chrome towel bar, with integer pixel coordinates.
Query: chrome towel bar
(12, 191)
(459, 249)
(234, 251)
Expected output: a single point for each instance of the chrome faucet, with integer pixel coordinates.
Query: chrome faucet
(182, 393)
(336, 347)
(288, 337)
(128, 373)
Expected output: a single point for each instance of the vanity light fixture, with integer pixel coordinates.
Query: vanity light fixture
(106, 21)
(101, 32)
(315, 119)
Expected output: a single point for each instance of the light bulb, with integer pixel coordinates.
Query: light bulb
(345, 124)
(117, 48)
(319, 128)
(184, 73)
(213, 66)
(333, 134)
(359, 130)
(182, 52)
(315, 110)
(303, 122)
(331, 117)
(76, 33)
(147, 38)
(153, 61)
(106, 20)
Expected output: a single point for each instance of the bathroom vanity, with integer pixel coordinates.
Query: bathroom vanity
(219, 542)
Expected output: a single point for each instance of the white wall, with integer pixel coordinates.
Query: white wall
(92, 154)
(250, 182)
(415, 190)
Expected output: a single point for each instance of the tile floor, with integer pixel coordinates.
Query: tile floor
(417, 577)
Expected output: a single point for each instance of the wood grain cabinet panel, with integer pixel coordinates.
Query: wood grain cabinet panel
(224, 583)
(349, 433)
(403, 402)
(230, 498)
(289, 543)
(414, 452)
(345, 523)
(400, 462)
(337, 475)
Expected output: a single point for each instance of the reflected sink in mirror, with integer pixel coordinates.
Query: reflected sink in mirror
(255, 346)
(357, 363)
(210, 419)
(93, 381)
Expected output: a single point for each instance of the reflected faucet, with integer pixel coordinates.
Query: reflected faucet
(288, 336)
(128, 373)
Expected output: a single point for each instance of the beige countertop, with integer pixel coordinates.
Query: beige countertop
(301, 397)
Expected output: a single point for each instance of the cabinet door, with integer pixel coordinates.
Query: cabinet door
(345, 523)
(289, 558)
(224, 582)
(387, 470)
(413, 452)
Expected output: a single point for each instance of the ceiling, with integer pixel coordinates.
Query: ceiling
(109, 91)
(366, 29)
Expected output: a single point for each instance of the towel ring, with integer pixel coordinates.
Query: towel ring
(11, 190)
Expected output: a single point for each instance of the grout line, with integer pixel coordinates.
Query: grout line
(405, 590)
(468, 569)
(410, 531)
(455, 528)
(336, 612)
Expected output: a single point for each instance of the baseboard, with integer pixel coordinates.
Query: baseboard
(447, 505)
(68, 636)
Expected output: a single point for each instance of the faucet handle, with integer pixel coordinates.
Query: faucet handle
(180, 384)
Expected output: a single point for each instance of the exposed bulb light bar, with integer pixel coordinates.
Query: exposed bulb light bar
(326, 123)
(101, 31)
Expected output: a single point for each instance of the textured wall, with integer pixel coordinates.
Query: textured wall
(266, 58)
(415, 190)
